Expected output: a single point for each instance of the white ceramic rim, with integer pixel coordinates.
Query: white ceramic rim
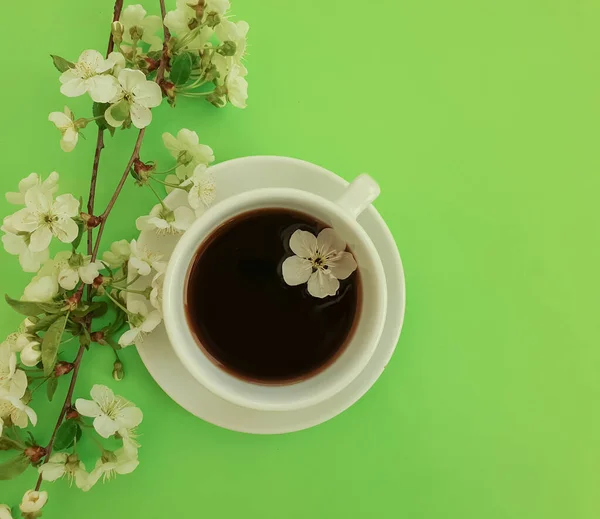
(182, 339)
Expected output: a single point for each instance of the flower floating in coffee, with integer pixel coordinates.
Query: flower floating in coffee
(321, 261)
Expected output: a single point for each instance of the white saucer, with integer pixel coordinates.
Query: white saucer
(233, 177)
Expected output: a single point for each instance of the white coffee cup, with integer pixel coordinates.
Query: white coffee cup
(341, 216)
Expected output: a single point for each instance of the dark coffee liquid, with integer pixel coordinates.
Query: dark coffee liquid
(248, 319)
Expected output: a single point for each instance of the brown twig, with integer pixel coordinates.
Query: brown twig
(65, 407)
(99, 146)
(100, 140)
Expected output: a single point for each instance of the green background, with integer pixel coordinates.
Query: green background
(480, 120)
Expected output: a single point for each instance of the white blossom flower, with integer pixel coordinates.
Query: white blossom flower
(186, 147)
(167, 221)
(183, 20)
(134, 20)
(11, 406)
(13, 381)
(202, 189)
(237, 33)
(72, 267)
(237, 87)
(43, 288)
(4, 509)
(17, 244)
(321, 261)
(62, 464)
(118, 254)
(110, 464)
(110, 412)
(156, 293)
(65, 122)
(19, 340)
(31, 354)
(218, 6)
(141, 322)
(142, 260)
(129, 438)
(88, 76)
(134, 99)
(33, 501)
(33, 180)
(44, 218)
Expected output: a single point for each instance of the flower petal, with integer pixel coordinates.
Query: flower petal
(41, 290)
(87, 408)
(130, 417)
(101, 393)
(147, 94)
(66, 205)
(38, 199)
(129, 337)
(89, 273)
(69, 140)
(40, 239)
(104, 426)
(103, 88)
(296, 270)
(184, 218)
(130, 78)
(152, 320)
(74, 87)
(61, 120)
(303, 244)
(31, 261)
(66, 230)
(53, 470)
(342, 265)
(329, 241)
(322, 284)
(140, 115)
(92, 58)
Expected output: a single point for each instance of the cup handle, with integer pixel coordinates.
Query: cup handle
(359, 195)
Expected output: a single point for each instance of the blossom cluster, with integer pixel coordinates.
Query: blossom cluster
(73, 287)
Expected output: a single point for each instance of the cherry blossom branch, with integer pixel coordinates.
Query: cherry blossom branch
(63, 411)
(138, 143)
(100, 140)
(90, 206)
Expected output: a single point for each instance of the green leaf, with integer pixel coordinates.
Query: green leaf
(51, 388)
(7, 444)
(61, 64)
(43, 324)
(80, 232)
(181, 68)
(14, 467)
(67, 434)
(97, 309)
(29, 308)
(50, 343)
(120, 111)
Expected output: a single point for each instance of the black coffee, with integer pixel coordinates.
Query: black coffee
(248, 319)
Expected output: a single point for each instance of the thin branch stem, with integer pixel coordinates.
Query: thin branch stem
(65, 407)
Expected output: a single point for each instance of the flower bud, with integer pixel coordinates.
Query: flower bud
(227, 48)
(90, 221)
(72, 302)
(142, 171)
(71, 414)
(35, 453)
(98, 281)
(151, 64)
(117, 30)
(98, 337)
(118, 371)
(62, 368)
(168, 89)
(31, 354)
